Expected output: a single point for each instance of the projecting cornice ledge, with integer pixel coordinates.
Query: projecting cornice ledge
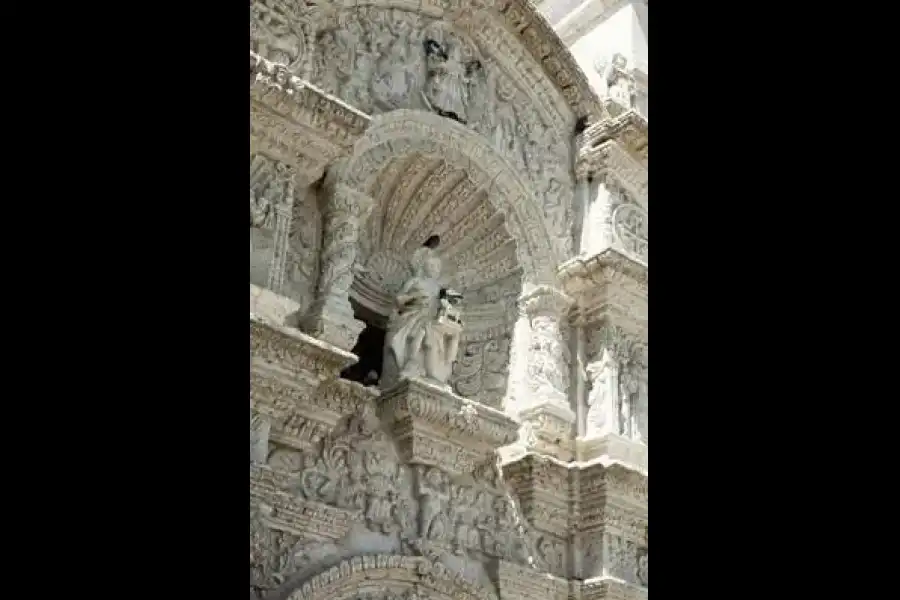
(294, 121)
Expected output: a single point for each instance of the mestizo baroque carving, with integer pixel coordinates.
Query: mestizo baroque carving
(448, 392)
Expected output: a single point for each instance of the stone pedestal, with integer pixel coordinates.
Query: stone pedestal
(434, 426)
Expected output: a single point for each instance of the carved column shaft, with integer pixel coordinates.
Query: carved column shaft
(283, 212)
(539, 375)
(548, 374)
(331, 316)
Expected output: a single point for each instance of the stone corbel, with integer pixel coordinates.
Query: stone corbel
(434, 426)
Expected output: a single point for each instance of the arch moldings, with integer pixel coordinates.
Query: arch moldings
(389, 577)
(404, 132)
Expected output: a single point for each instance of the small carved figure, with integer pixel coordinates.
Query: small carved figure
(619, 85)
(604, 382)
(448, 79)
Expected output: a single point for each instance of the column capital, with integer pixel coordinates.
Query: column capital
(544, 300)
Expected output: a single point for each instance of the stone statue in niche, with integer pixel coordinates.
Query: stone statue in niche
(619, 86)
(451, 74)
(602, 400)
(424, 329)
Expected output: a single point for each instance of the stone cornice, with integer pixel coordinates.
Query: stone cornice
(288, 351)
(627, 127)
(418, 411)
(297, 122)
(611, 159)
(598, 281)
(544, 44)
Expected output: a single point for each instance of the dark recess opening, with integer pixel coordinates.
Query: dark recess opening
(369, 348)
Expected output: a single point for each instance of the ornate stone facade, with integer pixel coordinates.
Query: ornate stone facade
(519, 470)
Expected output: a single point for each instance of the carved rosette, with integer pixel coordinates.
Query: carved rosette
(331, 317)
(434, 426)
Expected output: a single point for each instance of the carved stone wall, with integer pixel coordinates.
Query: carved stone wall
(373, 127)
(464, 65)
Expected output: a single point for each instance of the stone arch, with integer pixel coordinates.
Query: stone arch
(389, 577)
(403, 132)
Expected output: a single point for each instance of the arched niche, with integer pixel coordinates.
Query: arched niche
(385, 577)
(372, 55)
(429, 175)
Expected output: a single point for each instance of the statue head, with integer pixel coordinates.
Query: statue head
(432, 267)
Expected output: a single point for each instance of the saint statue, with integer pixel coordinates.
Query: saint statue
(424, 329)
(448, 79)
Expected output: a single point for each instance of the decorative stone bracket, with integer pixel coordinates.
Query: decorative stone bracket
(436, 427)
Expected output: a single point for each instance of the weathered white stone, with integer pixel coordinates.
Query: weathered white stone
(505, 456)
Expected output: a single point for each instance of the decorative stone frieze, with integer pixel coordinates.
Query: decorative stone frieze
(300, 359)
(434, 426)
(515, 582)
(613, 524)
(285, 512)
(321, 115)
(603, 588)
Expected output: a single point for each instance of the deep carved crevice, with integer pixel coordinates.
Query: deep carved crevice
(369, 348)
